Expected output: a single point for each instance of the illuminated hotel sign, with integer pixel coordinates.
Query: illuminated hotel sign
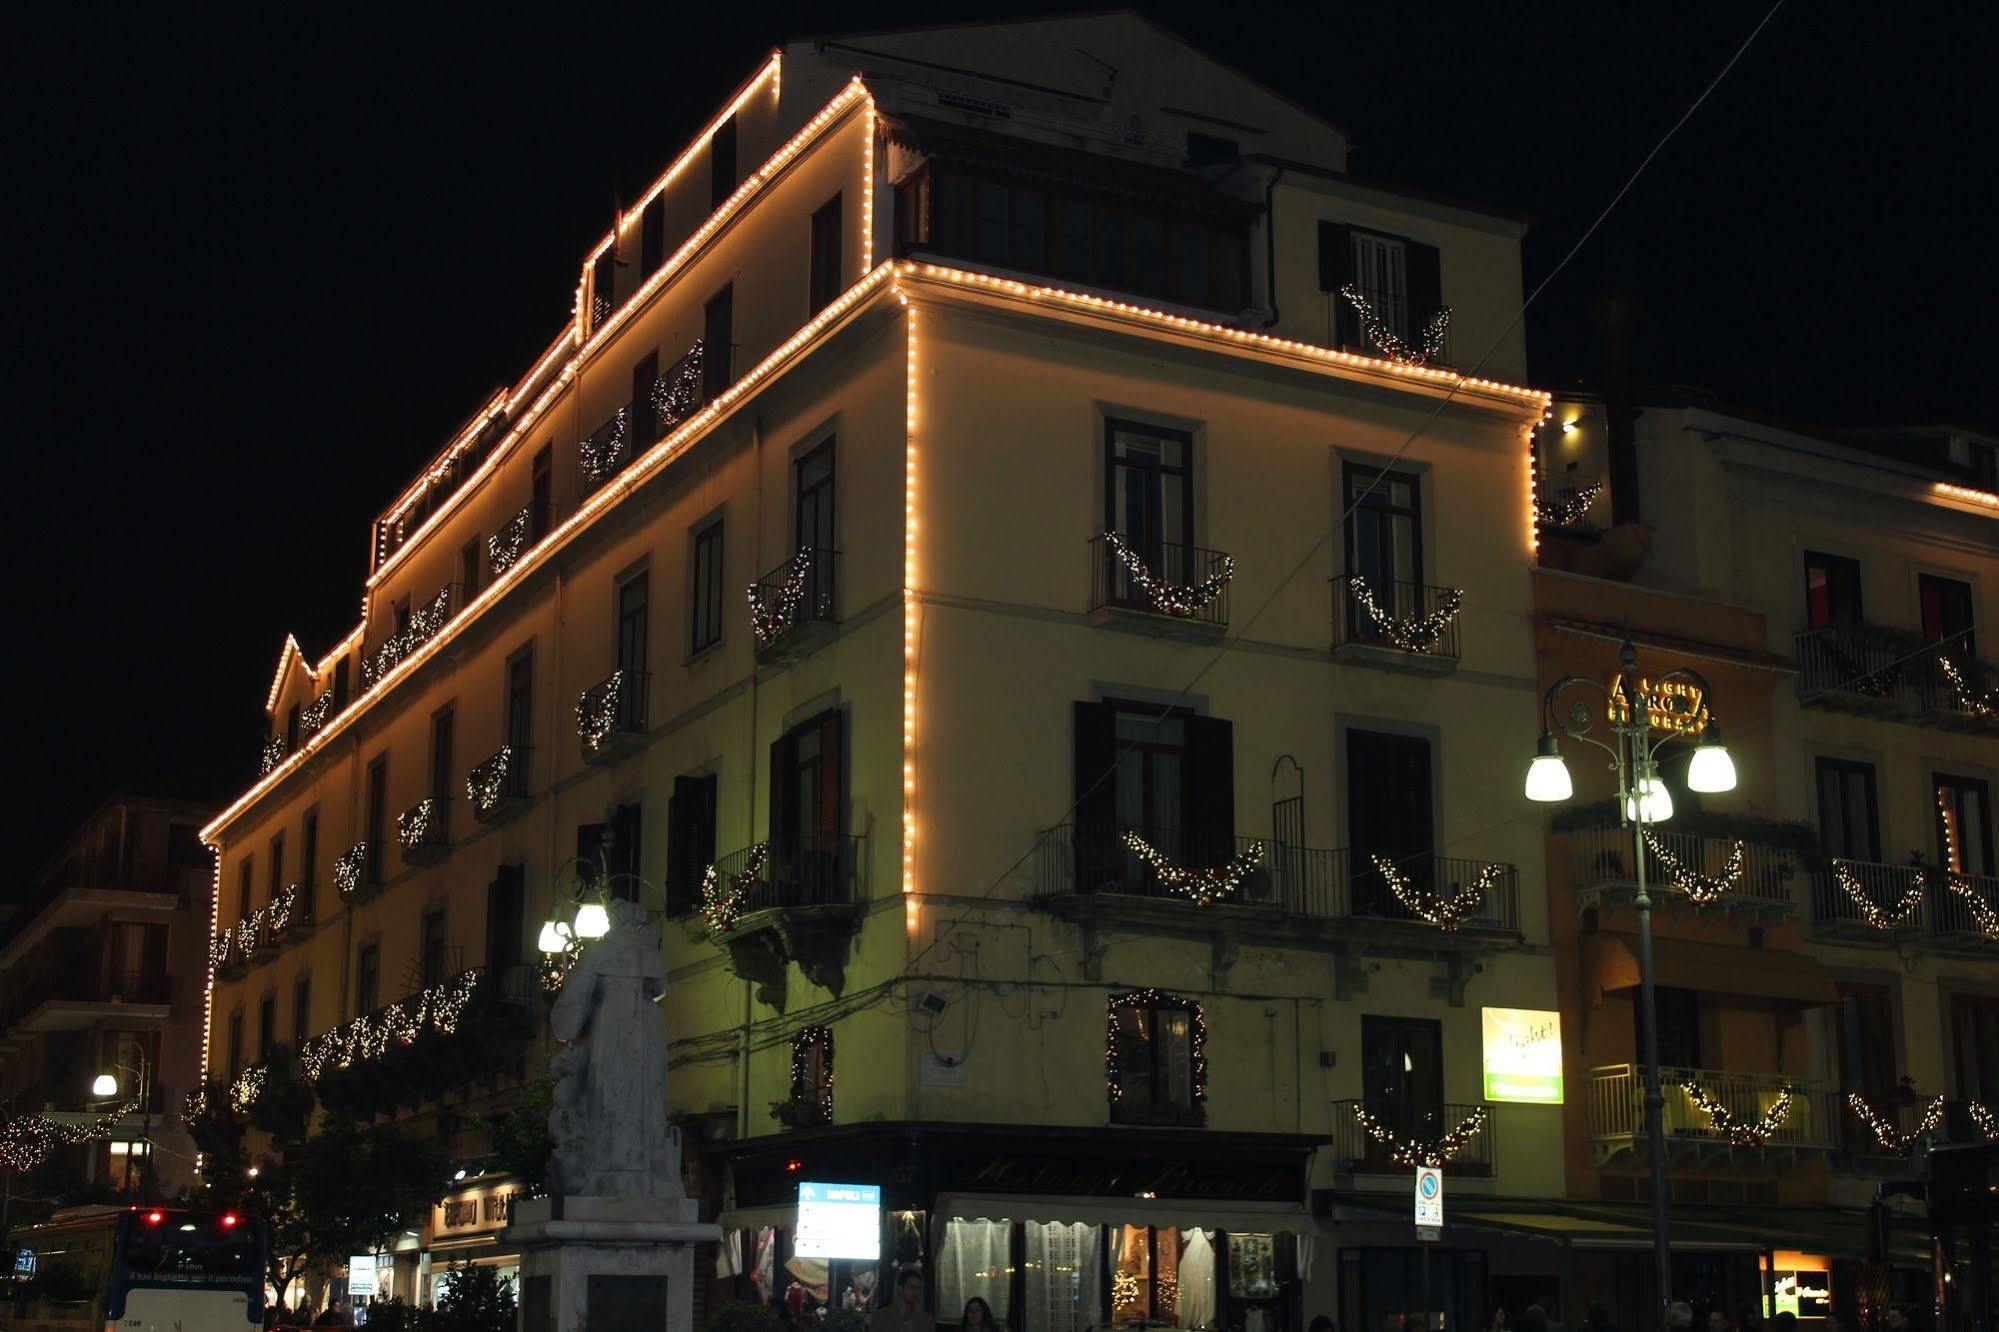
(1523, 1055)
(839, 1221)
(1670, 705)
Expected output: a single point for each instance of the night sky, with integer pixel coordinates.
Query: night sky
(260, 266)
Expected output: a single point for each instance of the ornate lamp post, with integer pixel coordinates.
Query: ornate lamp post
(105, 1086)
(1642, 799)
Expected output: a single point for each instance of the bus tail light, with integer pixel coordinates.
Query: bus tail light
(154, 1218)
(229, 1220)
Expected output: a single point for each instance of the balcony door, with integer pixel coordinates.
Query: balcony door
(1402, 1074)
(1974, 1034)
(1832, 591)
(1964, 824)
(816, 529)
(1164, 774)
(1947, 615)
(808, 809)
(1149, 501)
(1389, 813)
(1384, 540)
(1849, 826)
(1865, 1030)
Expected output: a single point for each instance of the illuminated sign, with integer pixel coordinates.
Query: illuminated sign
(361, 1275)
(1523, 1055)
(1670, 705)
(839, 1221)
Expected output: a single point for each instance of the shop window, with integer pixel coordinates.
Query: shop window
(811, 1077)
(1155, 1059)
(1163, 1276)
(976, 1262)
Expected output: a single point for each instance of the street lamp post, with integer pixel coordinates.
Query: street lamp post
(1642, 799)
(106, 1085)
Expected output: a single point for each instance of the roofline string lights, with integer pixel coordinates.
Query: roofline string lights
(1700, 889)
(910, 612)
(1412, 1152)
(1739, 1133)
(1203, 885)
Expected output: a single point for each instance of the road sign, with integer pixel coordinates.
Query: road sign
(1429, 1197)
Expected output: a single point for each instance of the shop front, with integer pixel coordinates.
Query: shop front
(1057, 1230)
(465, 1227)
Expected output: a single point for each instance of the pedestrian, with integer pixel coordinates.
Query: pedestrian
(905, 1311)
(1392, 1322)
(1785, 1321)
(1532, 1319)
(978, 1317)
(1496, 1323)
(1679, 1315)
(1320, 1323)
(331, 1316)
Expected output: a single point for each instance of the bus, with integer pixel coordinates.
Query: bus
(137, 1269)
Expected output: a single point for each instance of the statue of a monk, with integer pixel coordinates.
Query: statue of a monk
(609, 1124)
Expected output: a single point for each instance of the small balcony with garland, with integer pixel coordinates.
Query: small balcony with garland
(497, 787)
(510, 541)
(795, 608)
(357, 873)
(1162, 589)
(1699, 862)
(424, 624)
(1903, 906)
(611, 715)
(786, 900)
(1396, 625)
(1712, 1119)
(423, 831)
(1894, 675)
(1385, 1140)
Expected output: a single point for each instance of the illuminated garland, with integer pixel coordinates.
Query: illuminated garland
(1912, 899)
(1204, 886)
(1180, 599)
(604, 452)
(218, 950)
(1893, 1139)
(1988, 1123)
(1446, 913)
(720, 901)
(597, 711)
(248, 1086)
(505, 546)
(272, 756)
(423, 625)
(819, 1098)
(316, 713)
(1390, 343)
(1566, 512)
(1419, 1151)
(1978, 703)
(370, 1036)
(347, 870)
(26, 1142)
(772, 622)
(1412, 634)
(420, 824)
(1197, 1057)
(1125, 1289)
(485, 784)
(1701, 889)
(1981, 910)
(600, 310)
(1724, 1123)
(677, 394)
(279, 910)
(555, 967)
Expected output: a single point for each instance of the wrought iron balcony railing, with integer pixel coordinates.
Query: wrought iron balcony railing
(611, 715)
(1617, 1109)
(1959, 691)
(1563, 500)
(678, 394)
(1762, 875)
(1890, 672)
(424, 623)
(272, 755)
(1963, 908)
(1392, 319)
(1188, 584)
(316, 714)
(443, 1036)
(1355, 1151)
(424, 830)
(505, 547)
(607, 449)
(1415, 618)
(358, 871)
(789, 872)
(1862, 897)
(798, 593)
(498, 786)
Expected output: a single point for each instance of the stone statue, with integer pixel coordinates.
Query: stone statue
(609, 1125)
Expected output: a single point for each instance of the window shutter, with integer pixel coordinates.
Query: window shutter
(1335, 255)
(828, 821)
(625, 847)
(1426, 284)
(1098, 855)
(1210, 790)
(506, 905)
(783, 819)
(681, 876)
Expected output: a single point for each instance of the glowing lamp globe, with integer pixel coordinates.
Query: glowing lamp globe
(592, 921)
(1650, 803)
(1711, 770)
(554, 936)
(105, 1085)
(1547, 776)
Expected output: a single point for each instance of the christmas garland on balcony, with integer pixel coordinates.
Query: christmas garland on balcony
(218, 950)
(722, 892)
(1988, 1123)
(770, 623)
(1177, 599)
(26, 1141)
(1204, 886)
(505, 546)
(273, 754)
(316, 713)
(677, 393)
(348, 869)
(1566, 512)
(1891, 1138)
(1446, 913)
(1388, 341)
(597, 711)
(370, 1036)
(1872, 913)
(1414, 1152)
(248, 1086)
(1700, 889)
(1418, 633)
(555, 967)
(1970, 700)
(485, 782)
(418, 824)
(1981, 910)
(601, 453)
(1740, 1134)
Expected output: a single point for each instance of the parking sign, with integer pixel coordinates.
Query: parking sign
(1429, 1196)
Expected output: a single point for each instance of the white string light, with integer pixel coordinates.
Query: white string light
(1180, 599)
(1978, 703)
(27, 1140)
(722, 892)
(1206, 885)
(603, 452)
(1987, 1122)
(505, 546)
(1418, 633)
(1700, 889)
(485, 783)
(419, 824)
(1569, 511)
(1981, 910)
(1891, 1138)
(1446, 913)
(436, 1010)
(1388, 341)
(1892, 918)
(1414, 1152)
(772, 622)
(347, 870)
(597, 711)
(677, 393)
(1740, 1134)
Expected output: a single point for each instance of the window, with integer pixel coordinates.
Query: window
(276, 869)
(1158, 1066)
(1402, 1074)
(378, 817)
(138, 961)
(812, 1076)
(541, 494)
(1848, 827)
(824, 282)
(611, 850)
(808, 805)
(340, 672)
(1400, 278)
(308, 862)
(1964, 824)
(1385, 538)
(652, 236)
(235, 1044)
(722, 178)
(470, 562)
(400, 611)
(705, 598)
(1832, 591)
(632, 612)
(291, 729)
(1865, 1029)
(245, 877)
(301, 1010)
(520, 704)
(690, 840)
(815, 528)
(718, 334)
(603, 287)
(506, 917)
(1974, 1030)
(368, 979)
(645, 421)
(1149, 501)
(1947, 615)
(440, 757)
(1679, 1026)
(1390, 807)
(1167, 775)
(267, 1026)
(431, 948)
(1162, 1276)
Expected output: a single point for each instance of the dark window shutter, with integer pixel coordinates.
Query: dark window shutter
(1426, 284)
(1210, 790)
(652, 236)
(1096, 753)
(829, 819)
(1335, 255)
(783, 819)
(681, 877)
(153, 953)
(625, 849)
(506, 905)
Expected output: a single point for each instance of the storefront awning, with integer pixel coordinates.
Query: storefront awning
(1188, 1213)
(1717, 968)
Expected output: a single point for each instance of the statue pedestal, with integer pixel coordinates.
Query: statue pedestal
(608, 1263)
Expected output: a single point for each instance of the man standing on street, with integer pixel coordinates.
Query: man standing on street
(906, 1312)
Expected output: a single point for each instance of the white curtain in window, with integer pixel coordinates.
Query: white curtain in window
(1062, 1278)
(974, 1262)
(1197, 1280)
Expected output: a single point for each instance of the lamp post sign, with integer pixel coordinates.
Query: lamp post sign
(1429, 1202)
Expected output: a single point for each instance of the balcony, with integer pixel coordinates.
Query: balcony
(69, 990)
(677, 394)
(1723, 873)
(357, 874)
(793, 608)
(316, 714)
(424, 623)
(424, 831)
(465, 1030)
(1617, 1115)
(272, 754)
(1397, 626)
(1383, 323)
(1895, 675)
(1963, 911)
(505, 547)
(605, 450)
(498, 786)
(787, 900)
(611, 715)
(1563, 501)
(1356, 1152)
(1859, 901)
(1162, 588)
